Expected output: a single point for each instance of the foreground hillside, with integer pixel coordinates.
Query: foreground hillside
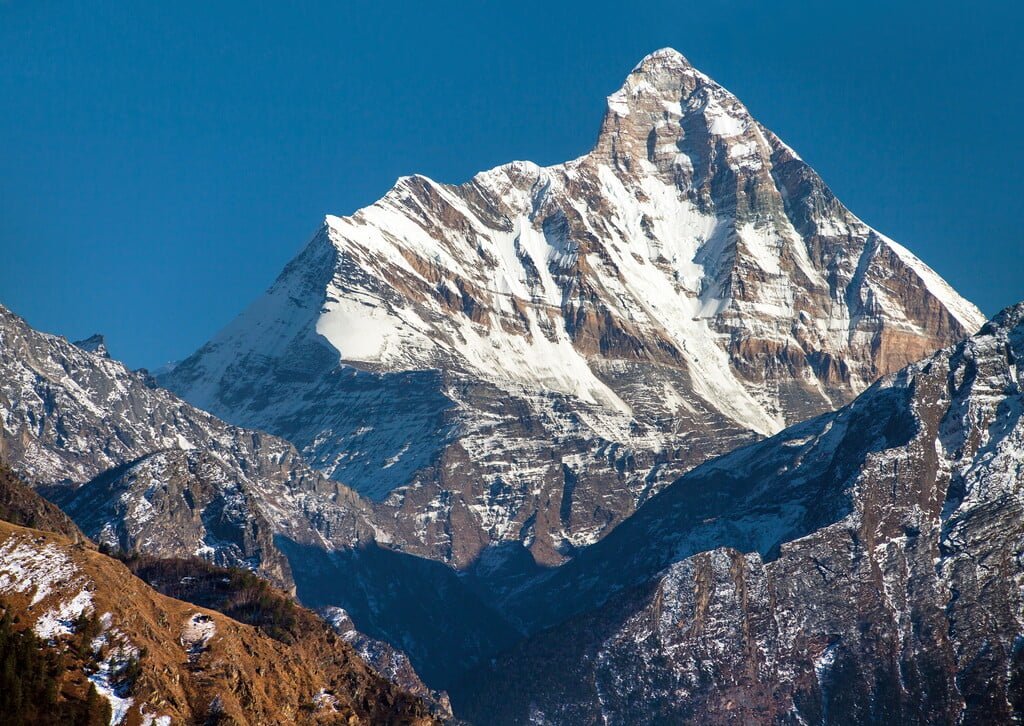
(864, 567)
(156, 660)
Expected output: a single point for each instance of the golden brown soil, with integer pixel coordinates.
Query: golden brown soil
(240, 676)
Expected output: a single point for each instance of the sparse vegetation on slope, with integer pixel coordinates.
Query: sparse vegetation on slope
(237, 593)
(38, 685)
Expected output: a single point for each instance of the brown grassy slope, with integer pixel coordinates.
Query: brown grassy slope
(244, 596)
(240, 675)
(19, 504)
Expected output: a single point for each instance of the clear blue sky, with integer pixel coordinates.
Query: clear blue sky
(161, 162)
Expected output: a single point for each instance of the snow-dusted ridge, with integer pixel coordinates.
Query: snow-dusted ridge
(138, 468)
(862, 567)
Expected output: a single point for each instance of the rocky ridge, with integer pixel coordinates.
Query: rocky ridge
(138, 468)
(864, 567)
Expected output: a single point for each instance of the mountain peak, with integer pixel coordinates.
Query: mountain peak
(669, 117)
(662, 58)
(664, 76)
(688, 282)
(1010, 319)
(95, 343)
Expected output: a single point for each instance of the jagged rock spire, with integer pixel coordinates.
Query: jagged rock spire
(95, 343)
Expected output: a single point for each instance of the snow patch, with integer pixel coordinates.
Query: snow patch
(618, 103)
(324, 700)
(60, 620)
(103, 680)
(196, 634)
(722, 122)
(27, 565)
(824, 662)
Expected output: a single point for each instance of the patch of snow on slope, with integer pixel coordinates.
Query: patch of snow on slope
(196, 634)
(824, 662)
(324, 700)
(721, 122)
(149, 719)
(762, 246)
(60, 619)
(26, 566)
(104, 680)
(618, 103)
(362, 330)
(106, 677)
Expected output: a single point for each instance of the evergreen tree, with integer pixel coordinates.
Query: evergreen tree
(30, 684)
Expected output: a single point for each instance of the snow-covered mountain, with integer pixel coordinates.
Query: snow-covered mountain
(676, 367)
(866, 566)
(140, 469)
(527, 357)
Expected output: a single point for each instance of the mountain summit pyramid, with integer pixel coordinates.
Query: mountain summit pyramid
(523, 359)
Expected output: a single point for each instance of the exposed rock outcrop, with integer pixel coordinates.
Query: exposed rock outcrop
(864, 567)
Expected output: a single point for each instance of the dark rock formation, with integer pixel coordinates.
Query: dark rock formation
(865, 567)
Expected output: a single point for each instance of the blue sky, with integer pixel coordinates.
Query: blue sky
(161, 164)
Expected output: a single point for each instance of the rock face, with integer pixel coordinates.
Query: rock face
(177, 502)
(527, 357)
(863, 567)
(385, 660)
(157, 660)
(95, 343)
(138, 468)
